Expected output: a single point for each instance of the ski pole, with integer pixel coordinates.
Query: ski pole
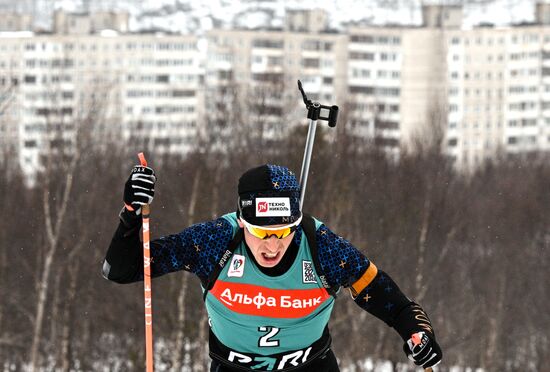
(314, 110)
(147, 288)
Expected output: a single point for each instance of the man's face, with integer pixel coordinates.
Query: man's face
(267, 252)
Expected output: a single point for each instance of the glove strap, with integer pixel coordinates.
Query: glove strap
(129, 220)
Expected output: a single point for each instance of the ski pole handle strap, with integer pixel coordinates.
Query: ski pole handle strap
(145, 210)
(142, 160)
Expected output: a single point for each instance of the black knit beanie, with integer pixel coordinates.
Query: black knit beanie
(269, 195)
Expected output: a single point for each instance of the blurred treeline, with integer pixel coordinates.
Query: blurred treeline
(471, 247)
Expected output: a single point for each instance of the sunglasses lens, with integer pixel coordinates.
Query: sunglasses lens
(264, 234)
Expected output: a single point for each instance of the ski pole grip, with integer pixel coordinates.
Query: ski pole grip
(145, 209)
(142, 159)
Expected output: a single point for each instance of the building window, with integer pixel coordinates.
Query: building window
(311, 62)
(365, 39)
(30, 79)
(274, 61)
(383, 124)
(388, 56)
(267, 43)
(383, 91)
(163, 78)
(361, 90)
(365, 56)
(360, 73)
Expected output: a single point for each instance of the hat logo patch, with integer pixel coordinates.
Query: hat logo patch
(273, 207)
(246, 203)
(262, 207)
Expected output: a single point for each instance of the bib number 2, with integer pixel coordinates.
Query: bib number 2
(266, 340)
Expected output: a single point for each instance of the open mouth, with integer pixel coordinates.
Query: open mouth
(270, 257)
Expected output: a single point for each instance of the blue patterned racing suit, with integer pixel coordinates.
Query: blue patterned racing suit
(262, 321)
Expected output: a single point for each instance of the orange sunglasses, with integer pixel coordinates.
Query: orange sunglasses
(264, 232)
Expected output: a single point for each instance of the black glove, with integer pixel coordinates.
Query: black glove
(140, 188)
(423, 350)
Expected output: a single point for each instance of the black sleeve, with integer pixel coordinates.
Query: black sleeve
(372, 289)
(124, 259)
(197, 249)
(383, 299)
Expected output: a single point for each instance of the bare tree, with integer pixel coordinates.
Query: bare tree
(178, 355)
(54, 212)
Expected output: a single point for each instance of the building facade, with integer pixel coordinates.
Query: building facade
(264, 67)
(142, 86)
(15, 22)
(483, 92)
(498, 92)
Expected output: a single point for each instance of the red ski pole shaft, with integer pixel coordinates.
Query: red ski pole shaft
(147, 288)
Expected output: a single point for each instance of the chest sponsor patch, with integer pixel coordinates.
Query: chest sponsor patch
(251, 299)
(236, 269)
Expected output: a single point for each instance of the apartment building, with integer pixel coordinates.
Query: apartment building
(483, 89)
(397, 79)
(89, 23)
(265, 65)
(389, 81)
(143, 86)
(15, 22)
(499, 92)
(486, 89)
